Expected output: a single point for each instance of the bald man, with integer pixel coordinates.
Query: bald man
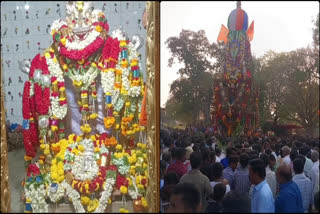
(289, 199)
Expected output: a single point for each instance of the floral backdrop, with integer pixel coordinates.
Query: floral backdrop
(25, 32)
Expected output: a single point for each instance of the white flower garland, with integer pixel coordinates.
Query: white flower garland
(107, 191)
(86, 79)
(57, 24)
(79, 173)
(57, 110)
(37, 197)
(134, 91)
(31, 89)
(55, 196)
(133, 194)
(75, 197)
(81, 44)
(95, 16)
(107, 81)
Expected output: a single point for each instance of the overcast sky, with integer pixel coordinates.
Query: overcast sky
(278, 26)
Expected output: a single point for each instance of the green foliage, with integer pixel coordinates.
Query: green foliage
(291, 92)
(192, 93)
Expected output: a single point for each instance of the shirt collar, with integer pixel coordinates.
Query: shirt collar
(285, 184)
(260, 185)
(302, 175)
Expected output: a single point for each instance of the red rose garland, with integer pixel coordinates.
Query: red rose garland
(34, 169)
(106, 49)
(26, 109)
(42, 99)
(26, 113)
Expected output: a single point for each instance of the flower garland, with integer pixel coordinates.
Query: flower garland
(58, 104)
(35, 190)
(55, 196)
(74, 197)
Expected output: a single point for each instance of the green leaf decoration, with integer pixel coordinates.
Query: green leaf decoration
(57, 37)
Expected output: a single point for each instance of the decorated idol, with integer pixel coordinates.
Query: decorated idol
(234, 104)
(82, 128)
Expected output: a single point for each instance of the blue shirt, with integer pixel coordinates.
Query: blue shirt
(289, 199)
(228, 174)
(241, 182)
(225, 162)
(262, 198)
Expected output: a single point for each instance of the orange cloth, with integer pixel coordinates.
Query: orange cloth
(250, 31)
(223, 35)
(143, 114)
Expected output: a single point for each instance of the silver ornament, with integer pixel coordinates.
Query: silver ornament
(137, 41)
(24, 66)
(45, 80)
(37, 75)
(43, 122)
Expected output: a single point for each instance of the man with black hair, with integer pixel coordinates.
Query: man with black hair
(215, 201)
(178, 166)
(228, 173)
(289, 199)
(241, 175)
(303, 150)
(270, 175)
(225, 161)
(304, 184)
(196, 177)
(262, 199)
(235, 202)
(185, 198)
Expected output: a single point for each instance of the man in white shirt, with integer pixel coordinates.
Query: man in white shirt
(286, 154)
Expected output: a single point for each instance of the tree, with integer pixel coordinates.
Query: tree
(191, 94)
(291, 91)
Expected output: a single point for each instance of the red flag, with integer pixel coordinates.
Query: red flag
(223, 35)
(250, 31)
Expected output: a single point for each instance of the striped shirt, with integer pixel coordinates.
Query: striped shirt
(228, 174)
(241, 180)
(305, 187)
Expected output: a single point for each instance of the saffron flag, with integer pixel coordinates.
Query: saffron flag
(223, 35)
(250, 31)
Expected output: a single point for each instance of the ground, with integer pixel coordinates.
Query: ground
(16, 175)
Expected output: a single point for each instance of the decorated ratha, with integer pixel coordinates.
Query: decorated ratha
(235, 99)
(86, 166)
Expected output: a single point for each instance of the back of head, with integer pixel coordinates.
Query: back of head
(303, 150)
(236, 202)
(195, 160)
(218, 151)
(314, 156)
(265, 158)
(181, 153)
(285, 150)
(258, 167)
(272, 157)
(293, 154)
(216, 170)
(171, 178)
(190, 195)
(284, 171)
(298, 166)
(218, 191)
(166, 156)
(303, 158)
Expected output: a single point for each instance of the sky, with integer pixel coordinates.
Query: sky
(278, 25)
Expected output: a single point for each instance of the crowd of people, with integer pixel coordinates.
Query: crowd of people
(204, 173)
